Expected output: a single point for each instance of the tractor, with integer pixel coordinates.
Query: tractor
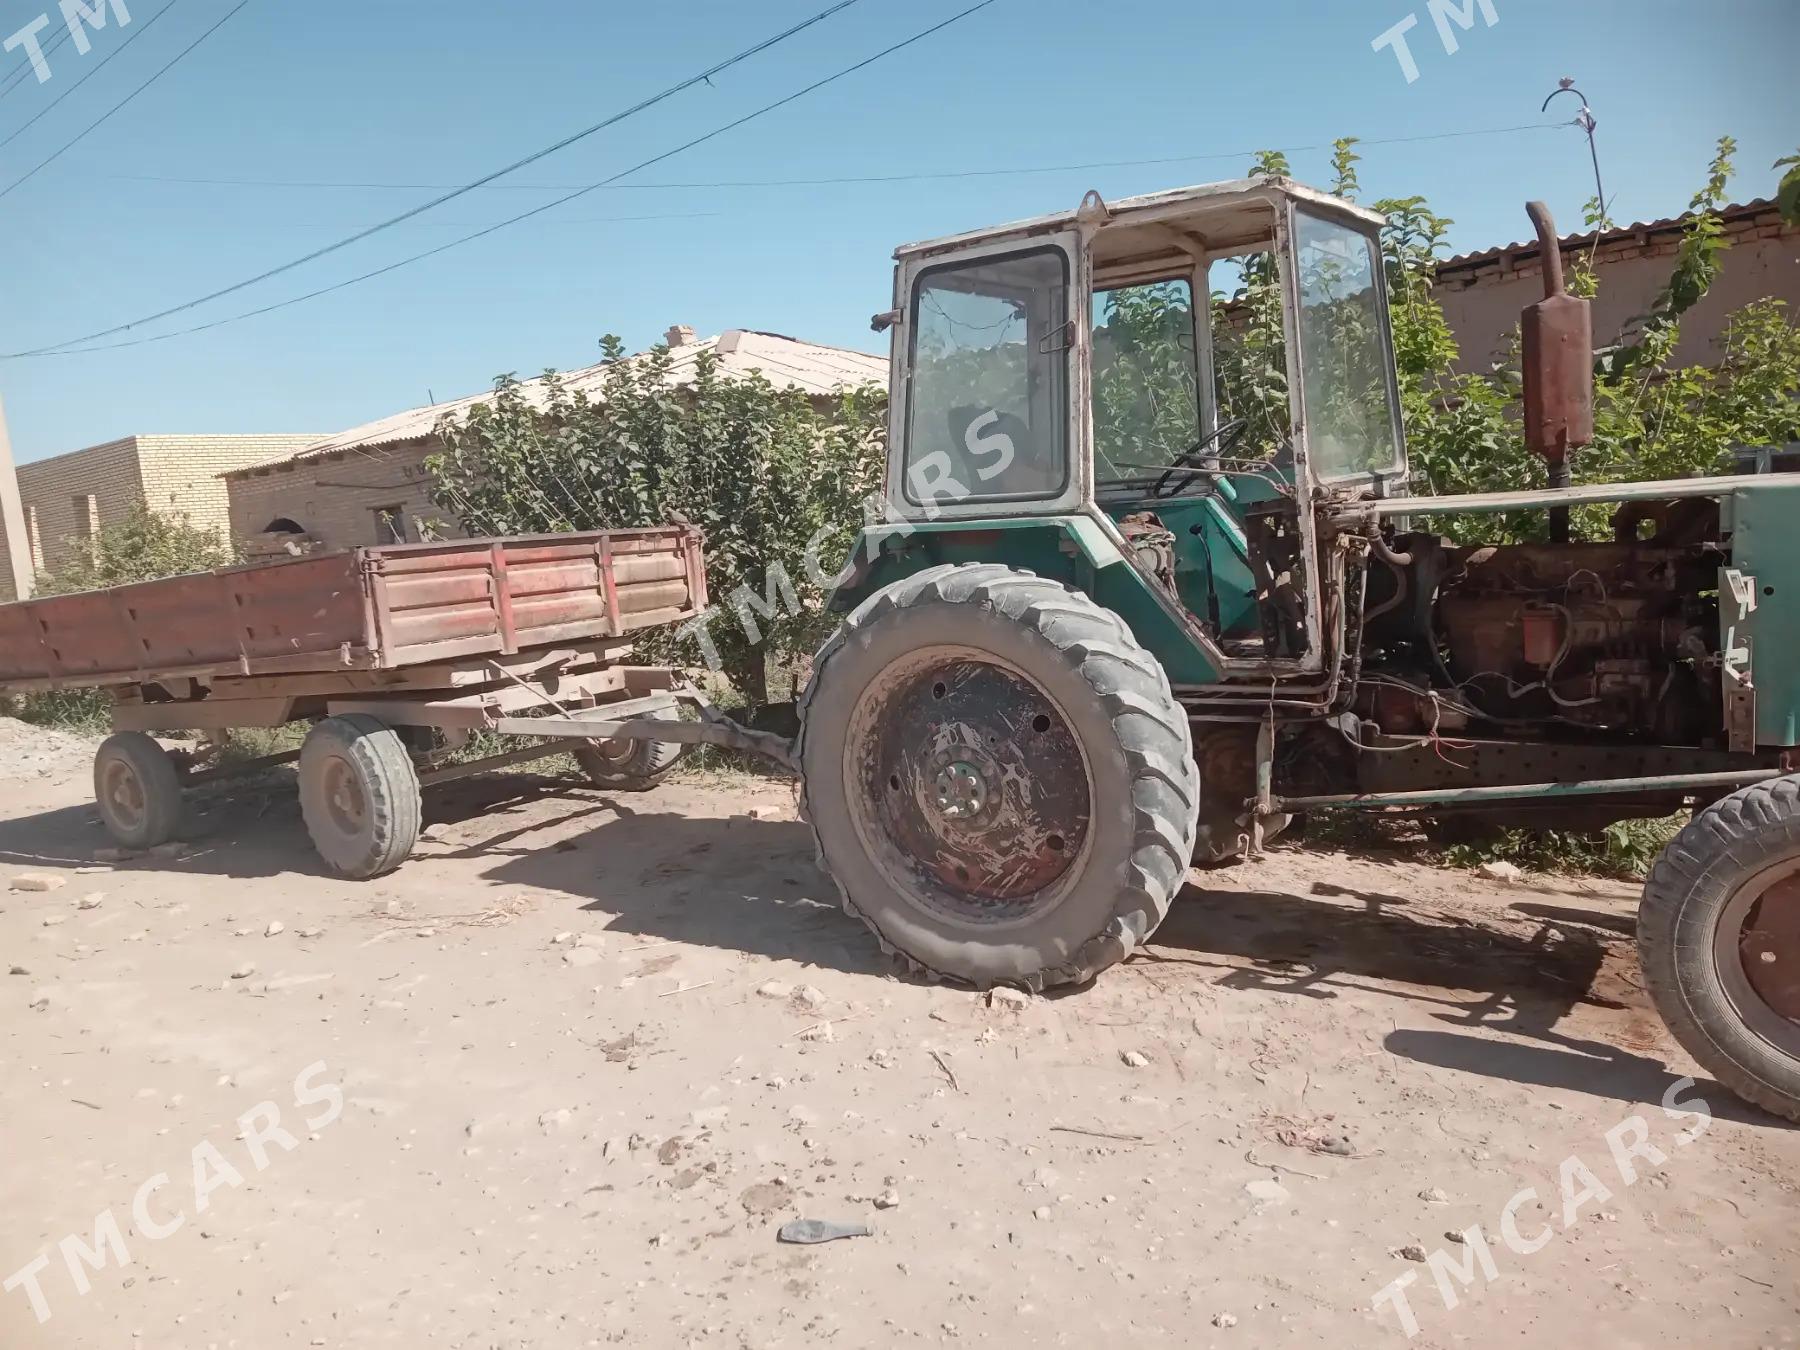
(1149, 587)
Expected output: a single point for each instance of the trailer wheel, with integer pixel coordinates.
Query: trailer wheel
(359, 795)
(998, 777)
(137, 789)
(1719, 937)
(626, 765)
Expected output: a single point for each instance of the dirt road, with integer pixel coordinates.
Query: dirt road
(559, 1080)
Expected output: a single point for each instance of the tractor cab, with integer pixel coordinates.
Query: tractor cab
(1185, 369)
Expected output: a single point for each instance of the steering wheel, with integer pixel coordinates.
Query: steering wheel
(1226, 434)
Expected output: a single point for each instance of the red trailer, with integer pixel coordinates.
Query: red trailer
(395, 654)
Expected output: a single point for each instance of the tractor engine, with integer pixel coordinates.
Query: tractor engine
(1611, 637)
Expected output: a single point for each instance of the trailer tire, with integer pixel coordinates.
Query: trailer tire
(942, 736)
(359, 795)
(1724, 895)
(628, 766)
(137, 789)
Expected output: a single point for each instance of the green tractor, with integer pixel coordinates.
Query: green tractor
(1150, 587)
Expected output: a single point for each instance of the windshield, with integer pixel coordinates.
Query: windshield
(1344, 354)
(988, 403)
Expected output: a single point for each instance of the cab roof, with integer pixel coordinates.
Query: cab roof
(1224, 216)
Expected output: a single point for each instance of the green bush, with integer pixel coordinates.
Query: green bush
(142, 547)
(1624, 849)
(777, 485)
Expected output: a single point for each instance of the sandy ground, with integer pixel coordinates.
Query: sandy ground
(559, 1080)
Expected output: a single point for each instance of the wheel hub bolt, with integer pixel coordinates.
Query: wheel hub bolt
(960, 790)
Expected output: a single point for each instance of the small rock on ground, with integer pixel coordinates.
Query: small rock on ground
(37, 881)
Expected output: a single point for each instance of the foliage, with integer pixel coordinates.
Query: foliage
(1146, 389)
(142, 547)
(1624, 849)
(1650, 338)
(84, 710)
(1652, 419)
(761, 470)
(1787, 193)
(1249, 350)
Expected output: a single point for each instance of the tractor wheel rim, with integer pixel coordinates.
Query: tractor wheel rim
(616, 751)
(124, 794)
(1756, 952)
(972, 789)
(344, 799)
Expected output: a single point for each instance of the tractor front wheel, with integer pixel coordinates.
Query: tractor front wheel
(998, 777)
(1719, 937)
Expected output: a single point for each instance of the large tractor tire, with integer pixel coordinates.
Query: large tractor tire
(1719, 937)
(359, 795)
(998, 777)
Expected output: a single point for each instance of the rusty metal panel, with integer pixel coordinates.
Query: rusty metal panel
(367, 607)
(469, 597)
(303, 614)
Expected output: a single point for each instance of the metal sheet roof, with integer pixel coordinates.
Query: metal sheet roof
(1528, 248)
(785, 362)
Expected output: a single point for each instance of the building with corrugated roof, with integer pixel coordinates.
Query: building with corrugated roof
(1482, 293)
(369, 485)
(65, 500)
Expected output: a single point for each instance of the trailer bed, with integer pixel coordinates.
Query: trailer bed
(375, 608)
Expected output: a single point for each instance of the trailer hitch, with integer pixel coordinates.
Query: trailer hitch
(635, 720)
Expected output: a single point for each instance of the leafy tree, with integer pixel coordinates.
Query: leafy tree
(1146, 387)
(1787, 194)
(777, 486)
(1652, 419)
(144, 546)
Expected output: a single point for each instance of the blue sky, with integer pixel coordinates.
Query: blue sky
(397, 92)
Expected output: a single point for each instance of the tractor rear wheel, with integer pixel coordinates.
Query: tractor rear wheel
(1719, 937)
(998, 777)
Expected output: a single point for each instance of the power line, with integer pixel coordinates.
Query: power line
(703, 77)
(90, 73)
(850, 178)
(18, 76)
(122, 102)
(476, 224)
(524, 215)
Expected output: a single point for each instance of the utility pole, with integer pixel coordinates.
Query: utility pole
(12, 520)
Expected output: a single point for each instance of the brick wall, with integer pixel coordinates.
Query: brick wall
(182, 473)
(335, 497)
(66, 495)
(54, 492)
(1482, 301)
